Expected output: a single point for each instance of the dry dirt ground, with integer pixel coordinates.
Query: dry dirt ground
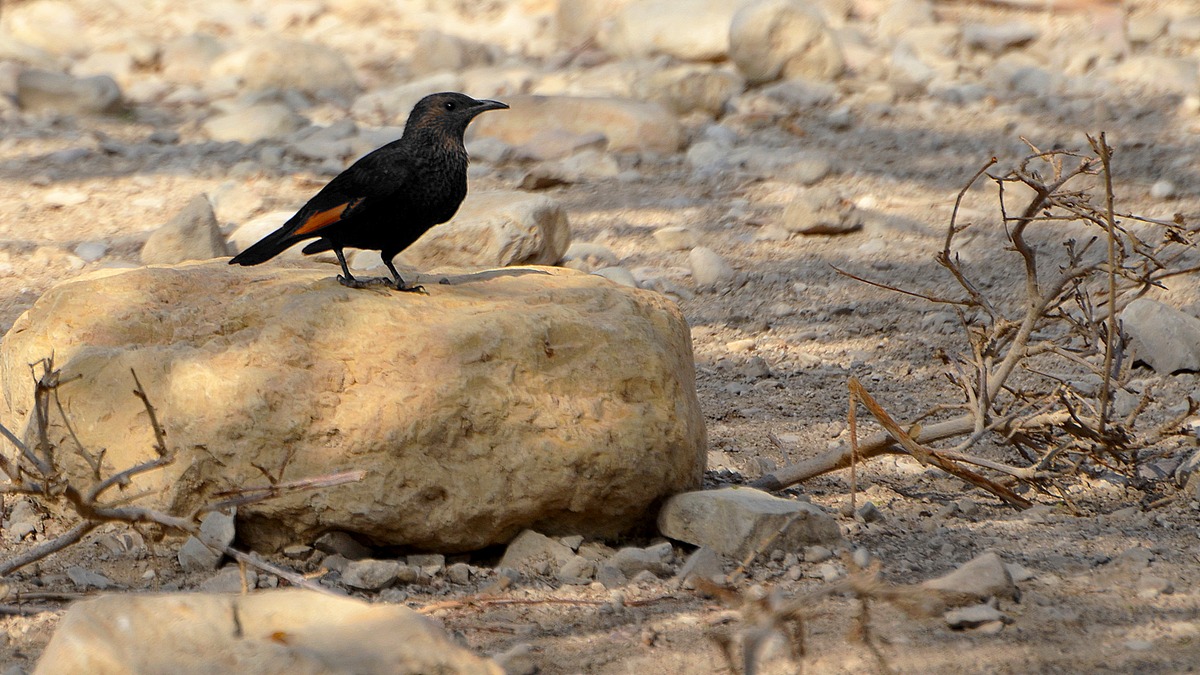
(1087, 607)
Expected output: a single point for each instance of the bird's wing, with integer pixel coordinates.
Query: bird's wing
(370, 179)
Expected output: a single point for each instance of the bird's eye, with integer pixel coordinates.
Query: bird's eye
(449, 105)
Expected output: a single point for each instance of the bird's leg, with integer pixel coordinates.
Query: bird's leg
(400, 282)
(347, 279)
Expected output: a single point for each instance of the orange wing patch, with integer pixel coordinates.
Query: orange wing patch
(327, 217)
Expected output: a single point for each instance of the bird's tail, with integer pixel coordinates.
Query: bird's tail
(268, 247)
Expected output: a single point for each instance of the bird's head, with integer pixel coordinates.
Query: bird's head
(447, 113)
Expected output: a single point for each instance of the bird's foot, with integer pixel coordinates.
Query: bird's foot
(415, 288)
(355, 282)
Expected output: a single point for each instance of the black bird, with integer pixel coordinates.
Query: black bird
(391, 196)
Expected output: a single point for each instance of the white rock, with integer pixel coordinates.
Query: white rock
(44, 90)
(276, 63)
(627, 124)
(190, 58)
(1162, 336)
(998, 38)
(249, 232)
(52, 25)
(268, 632)
(191, 234)
(496, 229)
(982, 577)
(59, 198)
(253, 123)
(558, 370)
(693, 30)
(1163, 189)
(738, 521)
(618, 275)
(217, 529)
(392, 106)
(370, 575)
(675, 238)
(709, 268)
(531, 548)
(770, 39)
(91, 251)
(821, 211)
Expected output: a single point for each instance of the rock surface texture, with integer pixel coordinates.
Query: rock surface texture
(279, 632)
(506, 399)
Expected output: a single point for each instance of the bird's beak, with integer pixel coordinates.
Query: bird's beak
(486, 105)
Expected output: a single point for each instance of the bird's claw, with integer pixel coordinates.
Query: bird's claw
(415, 288)
(355, 282)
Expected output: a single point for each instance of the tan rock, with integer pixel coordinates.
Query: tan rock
(695, 30)
(628, 124)
(289, 631)
(507, 399)
(276, 63)
(773, 39)
(739, 521)
(496, 229)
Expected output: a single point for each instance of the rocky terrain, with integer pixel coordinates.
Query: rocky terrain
(725, 156)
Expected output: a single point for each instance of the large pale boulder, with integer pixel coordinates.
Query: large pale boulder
(289, 631)
(509, 399)
(628, 124)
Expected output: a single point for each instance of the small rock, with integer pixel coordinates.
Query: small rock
(869, 513)
(343, 544)
(189, 58)
(520, 659)
(973, 616)
(675, 238)
(704, 563)
(1150, 586)
(297, 551)
(1163, 189)
(821, 211)
(618, 275)
(39, 90)
(371, 575)
(496, 229)
(217, 529)
(817, 554)
(91, 251)
(628, 125)
(459, 573)
(59, 198)
(530, 548)
(737, 521)
(430, 563)
(772, 39)
(282, 64)
(577, 570)
(1135, 558)
(631, 560)
(998, 38)
(709, 268)
(253, 123)
(594, 255)
(609, 576)
(1167, 339)
(84, 578)
(982, 577)
(230, 580)
(192, 234)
